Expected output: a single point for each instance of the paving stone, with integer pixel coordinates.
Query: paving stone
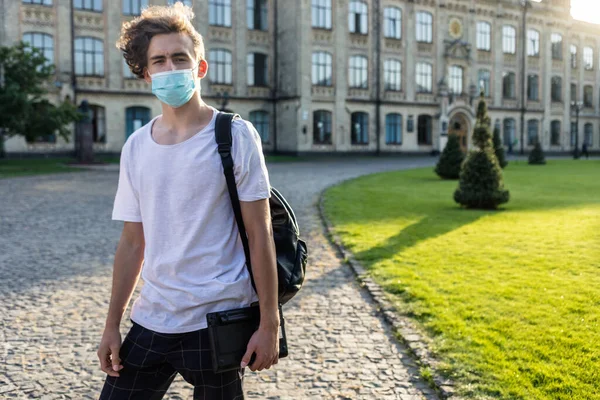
(55, 279)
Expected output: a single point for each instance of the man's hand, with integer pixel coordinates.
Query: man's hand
(108, 351)
(265, 344)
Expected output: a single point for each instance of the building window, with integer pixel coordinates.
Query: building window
(358, 72)
(134, 7)
(556, 89)
(555, 133)
(532, 131)
(588, 131)
(360, 128)
(424, 77)
(456, 79)
(588, 94)
(321, 14)
(221, 71)
(127, 74)
(88, 5)
(135, 118)
(424, 129)
(98, 118)
(261, 121)
(588, 58)
(357, 17)
(219, 12)
(484, 81)
(532, 87)
(424, 27)
(573, 56)
(393, 129)
(533, 43)
(257, 13)
(508, 85)
(509, 39)
(557, 46)
(185, 2)
(392, 22)
(40, 2)
(321, 69)
(573, 92)
(484, 36)
(574, 133)
(322, 127)
(392, 75)
(508, 133)
(257, 69)
(43, 42)
(89, 57)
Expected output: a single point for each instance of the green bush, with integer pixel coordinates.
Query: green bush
(481, 184)
(536, 157)
(448, 166)
(499, 148)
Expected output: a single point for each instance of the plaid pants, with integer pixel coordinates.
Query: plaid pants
(151, 361)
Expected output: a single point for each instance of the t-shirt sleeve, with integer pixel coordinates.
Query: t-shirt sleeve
(126, 206)
(251, 175)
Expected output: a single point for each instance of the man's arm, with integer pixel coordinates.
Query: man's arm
(126, 272)
(257, 219)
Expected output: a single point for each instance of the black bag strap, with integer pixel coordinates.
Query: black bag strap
(224, 139)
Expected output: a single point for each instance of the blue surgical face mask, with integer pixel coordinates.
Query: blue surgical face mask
(174, 88)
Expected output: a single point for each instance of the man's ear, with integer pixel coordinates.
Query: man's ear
(147, 75)
(202, 69)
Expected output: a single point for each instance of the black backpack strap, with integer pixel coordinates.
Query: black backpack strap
(224, 139)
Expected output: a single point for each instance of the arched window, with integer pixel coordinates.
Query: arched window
(322, 127)
(392, 75)
(135, 118)
(393, 129)
(357, 17)
(89, 56)
(557, 46)
(484, 36)
(555, 133)
(588, 96)
(424, 129)
(392, 17)
(321, 14)
(134, 7)
(588, 133)
(483, 77)
(88, 5)
(588, 58)
(321, 69)
(360, 128)
(424, 77)
(533, 126)
(573, 56)
(221, 68)
(533, 43)
(257, 70)
(509, 39)
(508, 134)
(556, 89)
(533, 87)
(508, 85)
(424, 27)
(358, 72)
(455, 83)
(256, 14)
(261, 121)
(219, 12)
(43, 42)
(98, 118)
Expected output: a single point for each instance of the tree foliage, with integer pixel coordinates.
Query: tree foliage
(499, 148)
(536, 157)
(448, 167)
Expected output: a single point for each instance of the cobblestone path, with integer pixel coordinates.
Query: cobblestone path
(57, 244)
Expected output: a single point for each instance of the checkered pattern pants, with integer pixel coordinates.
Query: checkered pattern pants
(151, 361)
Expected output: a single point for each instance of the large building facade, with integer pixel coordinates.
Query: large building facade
(339, 75)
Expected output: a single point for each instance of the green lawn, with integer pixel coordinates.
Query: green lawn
(511, 298)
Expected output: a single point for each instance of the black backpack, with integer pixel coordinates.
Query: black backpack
(291, 250)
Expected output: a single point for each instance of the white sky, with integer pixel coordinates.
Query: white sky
(586, 10)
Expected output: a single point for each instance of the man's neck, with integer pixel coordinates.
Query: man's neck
(179, 120)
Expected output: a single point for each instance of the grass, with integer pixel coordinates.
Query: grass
(510, 298)
(39, 166)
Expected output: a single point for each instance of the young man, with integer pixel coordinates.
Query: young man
(180, 225)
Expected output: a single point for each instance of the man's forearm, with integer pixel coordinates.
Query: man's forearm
(126, 272)
(264, 270)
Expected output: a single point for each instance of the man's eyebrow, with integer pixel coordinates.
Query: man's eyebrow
(179, 54)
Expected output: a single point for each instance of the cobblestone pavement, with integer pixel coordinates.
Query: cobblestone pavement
(57, 244)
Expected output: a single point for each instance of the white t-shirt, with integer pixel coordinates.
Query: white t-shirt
(194, 259)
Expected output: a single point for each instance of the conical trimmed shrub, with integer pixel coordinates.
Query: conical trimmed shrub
(536, 157)
(481, 184)
(448, 167)
(499, 148)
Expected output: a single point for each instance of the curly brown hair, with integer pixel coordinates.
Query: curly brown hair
(155, 20)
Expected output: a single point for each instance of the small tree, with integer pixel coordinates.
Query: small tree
(499, 148)
(24, 110)
(481, 184)
(536, 157)
(448, 167)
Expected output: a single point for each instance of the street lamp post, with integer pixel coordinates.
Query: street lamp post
(525, 4)
(577, 106)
